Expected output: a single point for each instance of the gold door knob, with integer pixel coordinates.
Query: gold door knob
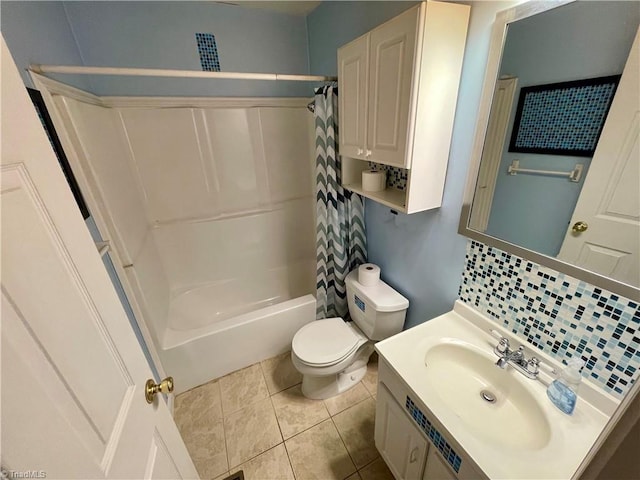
(151, 388)
(579, 227)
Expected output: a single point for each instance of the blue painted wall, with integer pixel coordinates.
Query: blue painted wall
(583, 40)
(160, 35)
(334, 23)
(39, 32)
(421, 255)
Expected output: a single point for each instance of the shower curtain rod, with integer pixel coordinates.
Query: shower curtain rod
(155, 72)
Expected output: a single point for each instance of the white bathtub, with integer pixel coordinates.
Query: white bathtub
(205, 328)
(214, 303)
(197, 355)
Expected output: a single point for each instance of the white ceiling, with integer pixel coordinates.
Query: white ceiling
(291, 7)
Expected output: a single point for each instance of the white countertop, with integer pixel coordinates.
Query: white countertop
(570, 437)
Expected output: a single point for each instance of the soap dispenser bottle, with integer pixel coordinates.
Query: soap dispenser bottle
(563, 391)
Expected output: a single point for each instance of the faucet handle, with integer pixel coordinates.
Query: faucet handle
(533, 366)
(503, 346)
(518, 355)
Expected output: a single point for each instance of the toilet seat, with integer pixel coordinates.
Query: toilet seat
(326, 342)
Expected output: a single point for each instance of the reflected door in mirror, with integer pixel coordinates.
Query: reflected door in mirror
(608, 241)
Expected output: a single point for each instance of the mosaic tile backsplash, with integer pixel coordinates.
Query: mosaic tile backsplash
(396, 177)
(558, 314)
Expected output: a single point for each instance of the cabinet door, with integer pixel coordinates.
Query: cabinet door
(392, 54)
(436, 468)
(398, 440)
(353, 62)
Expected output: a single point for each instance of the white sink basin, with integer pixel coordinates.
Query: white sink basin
(448, 362)
(490, 401)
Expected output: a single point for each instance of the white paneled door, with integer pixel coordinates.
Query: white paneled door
(604, 233)
(73, 374)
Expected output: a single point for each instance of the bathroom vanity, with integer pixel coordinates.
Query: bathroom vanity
(450, 404)
(446, 410)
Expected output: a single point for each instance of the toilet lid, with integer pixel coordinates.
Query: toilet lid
(325, 342)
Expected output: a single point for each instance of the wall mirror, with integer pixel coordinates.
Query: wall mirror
(555, 174)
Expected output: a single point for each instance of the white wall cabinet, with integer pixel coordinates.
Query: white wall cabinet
(398, 87)
(353, 66)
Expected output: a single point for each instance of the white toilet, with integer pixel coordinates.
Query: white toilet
(332, 354)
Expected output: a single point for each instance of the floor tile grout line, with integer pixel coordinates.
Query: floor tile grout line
(343, 440)
(264, 374)
(345, 447)
(224, 433)
(285, 389)
(254, 401)
(275, 414)
(352, 405)
(304, 430)
(237, 467)
(281, 436)
(254, 457)
(339, 436)
(289, 458)
(372, 461)
(367, 389)
(308, 428)
(324, 419)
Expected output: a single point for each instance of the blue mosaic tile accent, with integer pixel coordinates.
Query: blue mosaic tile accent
(558, 314)
(396, 177)
(208, 51)
(438, 440)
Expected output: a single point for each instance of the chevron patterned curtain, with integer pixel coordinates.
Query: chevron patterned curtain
(341, 243)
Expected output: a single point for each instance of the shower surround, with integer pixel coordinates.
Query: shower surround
(208, 204)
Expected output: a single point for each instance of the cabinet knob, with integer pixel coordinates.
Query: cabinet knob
(360, 151)
(368, 154)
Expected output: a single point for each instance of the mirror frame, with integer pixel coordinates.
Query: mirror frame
(497, 41)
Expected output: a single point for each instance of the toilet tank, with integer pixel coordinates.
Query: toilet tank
(379, 311)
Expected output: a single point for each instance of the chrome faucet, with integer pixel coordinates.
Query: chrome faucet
(516, 358)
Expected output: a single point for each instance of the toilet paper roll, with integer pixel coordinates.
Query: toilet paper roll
(374, 180)
(368, 274)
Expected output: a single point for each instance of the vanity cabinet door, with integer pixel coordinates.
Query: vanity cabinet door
(399, 442)
(436, 468)
(392, 53)
(353, 68)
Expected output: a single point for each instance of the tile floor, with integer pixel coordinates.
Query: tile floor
(257, 420)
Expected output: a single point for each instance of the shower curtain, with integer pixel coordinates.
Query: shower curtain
(340, 234)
